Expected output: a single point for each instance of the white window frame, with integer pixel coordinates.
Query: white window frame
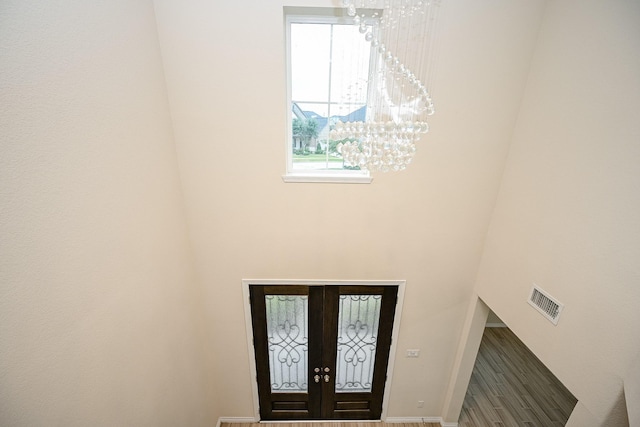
(313, 16)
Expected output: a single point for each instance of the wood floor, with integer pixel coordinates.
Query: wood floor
(511, 387)
(331, 424)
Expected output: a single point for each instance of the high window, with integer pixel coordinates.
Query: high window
(328, 66)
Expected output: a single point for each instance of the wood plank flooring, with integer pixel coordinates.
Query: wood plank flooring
(330, 424)
(510, 387)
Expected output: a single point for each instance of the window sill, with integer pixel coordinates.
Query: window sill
(331, 179)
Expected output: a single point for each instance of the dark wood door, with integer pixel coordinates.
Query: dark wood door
(322, 351)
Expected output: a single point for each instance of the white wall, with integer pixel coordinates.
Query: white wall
(98, 308)
(567, 215)
(224, 63)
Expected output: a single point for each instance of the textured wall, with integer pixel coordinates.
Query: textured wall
(567, 215)
(97, 303)
(224, 63)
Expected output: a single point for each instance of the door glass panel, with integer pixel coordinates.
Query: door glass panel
(288, 342)
(358, 321)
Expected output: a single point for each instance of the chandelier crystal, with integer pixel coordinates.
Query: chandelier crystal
(401, 34)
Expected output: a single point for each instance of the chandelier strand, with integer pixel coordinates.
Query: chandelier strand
(402, 38)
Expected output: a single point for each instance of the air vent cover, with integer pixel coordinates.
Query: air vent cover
(548, 306)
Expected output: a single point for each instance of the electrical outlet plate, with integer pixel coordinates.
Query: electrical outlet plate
(413, 353)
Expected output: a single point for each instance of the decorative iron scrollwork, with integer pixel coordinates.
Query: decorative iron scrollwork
(357, 341)
(287, 342)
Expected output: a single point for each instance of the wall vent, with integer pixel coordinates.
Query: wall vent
(548, 306)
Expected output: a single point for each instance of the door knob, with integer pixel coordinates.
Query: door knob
(317, 377)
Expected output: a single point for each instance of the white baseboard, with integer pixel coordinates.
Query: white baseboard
(420, 420)
(318, 421)
(236, 420)
(231, 420)
(390, 420)
(495, 325)
(417, 420)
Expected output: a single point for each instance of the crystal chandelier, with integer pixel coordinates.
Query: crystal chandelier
(401, 34)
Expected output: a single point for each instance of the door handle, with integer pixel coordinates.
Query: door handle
(317, 377)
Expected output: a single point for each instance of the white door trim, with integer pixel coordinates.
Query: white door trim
(288, 282)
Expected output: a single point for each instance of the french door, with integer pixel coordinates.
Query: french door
(321, 351)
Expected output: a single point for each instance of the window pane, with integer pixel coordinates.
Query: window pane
(328, 77)
(317, 162)
(348, 112)
(287, 337)
(310, 61)
(315, 111)
(358, 321)
(350, 65)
